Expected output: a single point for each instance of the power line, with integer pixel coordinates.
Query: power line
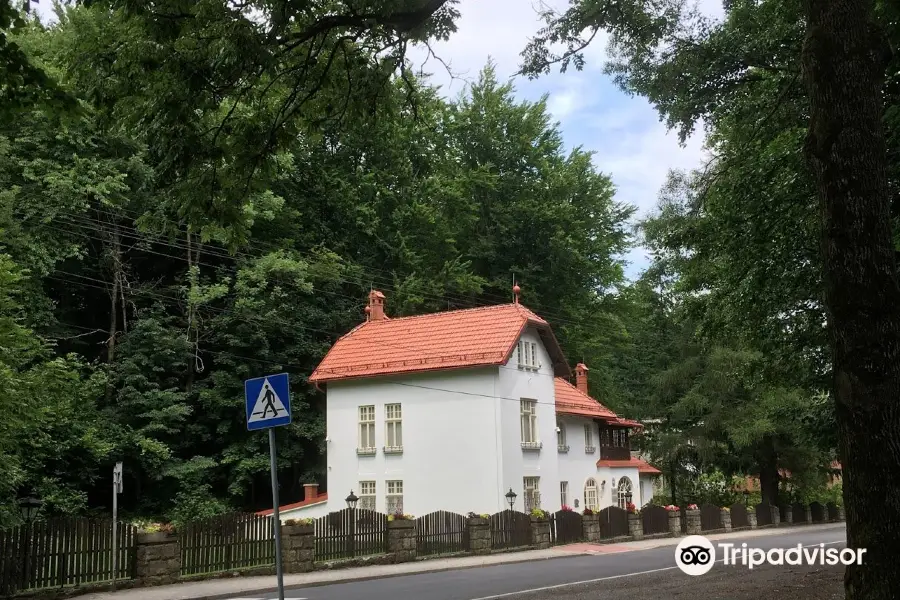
(249, 321)
(86, 222)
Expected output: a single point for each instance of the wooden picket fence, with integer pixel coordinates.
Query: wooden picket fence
(227, 542)
(64, 552)
(349, 533)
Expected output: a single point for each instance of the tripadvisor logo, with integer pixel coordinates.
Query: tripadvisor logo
(696, 555)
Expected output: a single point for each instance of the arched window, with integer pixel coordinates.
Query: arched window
(623, 490)
(591, 498)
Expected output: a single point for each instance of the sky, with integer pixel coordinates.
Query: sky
(630, 143)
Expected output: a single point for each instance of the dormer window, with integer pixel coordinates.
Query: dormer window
(527, 354)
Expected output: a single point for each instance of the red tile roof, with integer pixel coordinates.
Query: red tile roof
(472, 337)
(305, 502)
(572, 401)
(641, 465)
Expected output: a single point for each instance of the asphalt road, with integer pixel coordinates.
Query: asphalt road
(575, 577)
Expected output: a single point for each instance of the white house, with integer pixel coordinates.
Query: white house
(451, 410)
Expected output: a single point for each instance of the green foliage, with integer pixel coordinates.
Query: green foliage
(214, 212)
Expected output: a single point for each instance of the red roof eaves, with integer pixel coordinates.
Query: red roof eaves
(302, 504)
(635, 463)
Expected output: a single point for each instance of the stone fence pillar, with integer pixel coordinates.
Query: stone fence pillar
(841, 515)
(776, 516)
(299, 548)
(726, 520)
(808, 510)
(479, 535)
(402, 540)
(635, 526)
(751, 518)
(158, 558)
(540, 533)
(693, 522)
(675, 522)
(590, 525)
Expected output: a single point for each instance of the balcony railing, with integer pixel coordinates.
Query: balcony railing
(614, 453)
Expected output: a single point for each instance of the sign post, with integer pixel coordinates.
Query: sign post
(268, 405)
(117, 489)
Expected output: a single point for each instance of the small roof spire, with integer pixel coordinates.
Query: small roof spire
(516, 290)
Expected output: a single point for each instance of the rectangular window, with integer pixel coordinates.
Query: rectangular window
(527, 354)
(564, 493)
(589, 438)
(561, 437)
(366, 430)
(529, 422)
(367, 495)
(532, 493)
(393, 435)
(394, 499)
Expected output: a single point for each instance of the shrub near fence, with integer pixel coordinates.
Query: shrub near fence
(226, 543)
(441, 532)
(63, 552)
(833, 512)
(349, 533)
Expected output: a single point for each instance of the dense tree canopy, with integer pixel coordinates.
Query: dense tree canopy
(786, 243)
(180, 215)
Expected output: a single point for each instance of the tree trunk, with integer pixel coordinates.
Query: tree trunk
(844, 59)
(768, 473)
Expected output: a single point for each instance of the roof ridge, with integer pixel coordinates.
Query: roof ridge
(457, 311)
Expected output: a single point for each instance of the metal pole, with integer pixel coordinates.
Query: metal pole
(277, 522)
(115, 490)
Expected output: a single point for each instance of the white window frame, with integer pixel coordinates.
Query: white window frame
(368, 498)
(527, 355)
(563, 493)
(366, 442)
(624, 486)
(561, 445)
(591, 495)
(393, 499)
(532, 488)
(393, 428)
(589, 447)
(528, 426)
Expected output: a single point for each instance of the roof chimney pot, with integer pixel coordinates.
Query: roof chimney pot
(581, 378)
(375, 309)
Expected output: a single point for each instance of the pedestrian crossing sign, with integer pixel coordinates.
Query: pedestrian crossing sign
(268, 401)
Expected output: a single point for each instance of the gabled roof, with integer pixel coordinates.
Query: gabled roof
(572, 401)
(318, 499)
(455, 339)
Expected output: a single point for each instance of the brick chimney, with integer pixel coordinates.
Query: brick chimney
(581, 378)
(375, 310)
(310, 491)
